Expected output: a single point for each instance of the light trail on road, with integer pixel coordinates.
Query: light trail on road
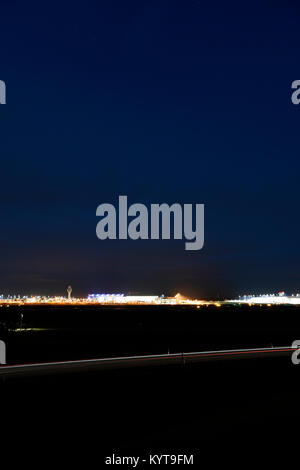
(89, 365)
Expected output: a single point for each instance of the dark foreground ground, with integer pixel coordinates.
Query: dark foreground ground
(232, 412)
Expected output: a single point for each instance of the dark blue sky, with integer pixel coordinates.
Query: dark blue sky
(164, 101)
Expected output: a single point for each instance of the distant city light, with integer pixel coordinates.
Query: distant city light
(102, 299)
(121, 299)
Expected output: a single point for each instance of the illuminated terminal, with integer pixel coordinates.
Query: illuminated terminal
(102, 299)
(122, 299)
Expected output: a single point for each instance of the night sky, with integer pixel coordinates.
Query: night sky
(162, 101)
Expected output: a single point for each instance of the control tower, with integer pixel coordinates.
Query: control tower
(69, 291)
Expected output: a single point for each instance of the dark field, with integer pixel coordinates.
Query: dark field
(49, 333)
(212, 410)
